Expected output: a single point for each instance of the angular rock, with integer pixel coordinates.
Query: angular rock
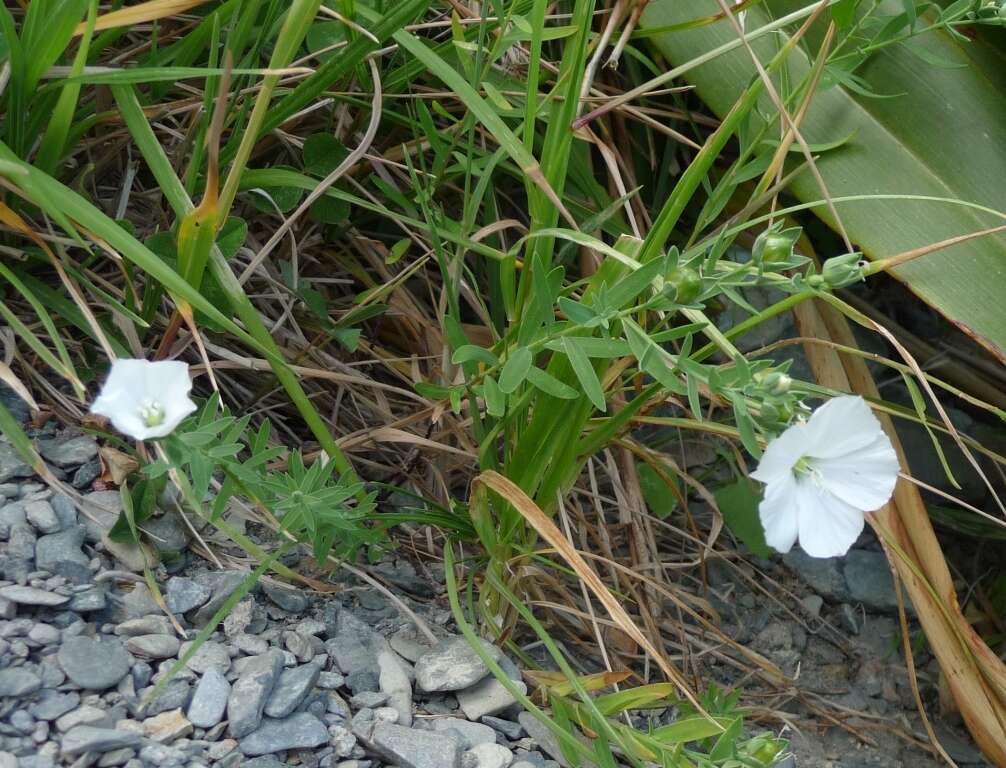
(452, 665)
(132, 557)
(209, 702)
(85, 714)
(11, 466)
(869, 581)
(211, 655)
(102, 510)
(300, 731)
(84, 738)
(144, 625)
(174, 696)
(487, 697)
(508, 728)
(69, 453)
(183, 595)
(250, 692)
(287, 598)
(490, 755)
(168, 532)
(410, 748)
(18, 681)
(10, 515)
(60, 553)
(94, 663)
(90, 599)
(42, 516)
(545, 739)
(54, 705)
(394, 682)
(250, 644)
(167, 726)
(153, 646)
(31, 596)
(822, 574)
(65, 510)
(291, 688)
(471, 734)
(223, 585)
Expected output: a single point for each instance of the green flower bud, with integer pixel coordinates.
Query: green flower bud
(687, 284)
(840, 271)
(774, 245)
(777, 383)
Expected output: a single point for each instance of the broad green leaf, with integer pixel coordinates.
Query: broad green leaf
(585, 373)
(515, 369)
(661, 500)
(738, 503)
(593, 347)
(471, 353)
(495, 399)
(935, 139)
(549, 384)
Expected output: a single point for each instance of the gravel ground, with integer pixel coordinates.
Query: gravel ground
(296, 678)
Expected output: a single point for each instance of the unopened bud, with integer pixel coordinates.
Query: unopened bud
(840, 271)
(777, 383)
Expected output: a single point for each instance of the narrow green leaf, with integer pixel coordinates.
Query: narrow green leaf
(515, 369)
(585, 373)
(550, 385)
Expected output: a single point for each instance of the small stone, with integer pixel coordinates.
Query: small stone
(250, 644)
(299, 646)
(543, 737)
(452, 665)
(370, 699)
(209, 702)
(291, 688)
(167, 726)
(85, 738)
(11, 466)
(42, 516)
(220, 749)
(211, 655)
(336, 705)
(85, 714)
(90, 599)
(32, 596)
(44, 634)
(94, 663)
(167, 532)
(18, 681)
(487, 697)
(69, 453)
(54, 705)
(508, 728)
(65, 510)
(144, 625)
(386, 715)
(410, 748)
(239, 618)
(310, 627)
(83, 478)
(153, 646)
(116, 756)
(223, 585)
(104, 507)
(330, 681)
(813, 605)
(183, 595)
(300, 731)
(132, 557)
(394, 682)
(491, 755)
(471, 734)
(342, 740)
(822, 574)
(60, 553)
(174, 696)
(287, 598)
(868, 577)
(251, 691)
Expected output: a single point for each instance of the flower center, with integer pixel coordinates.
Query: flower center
(152, 412)
(804, 469)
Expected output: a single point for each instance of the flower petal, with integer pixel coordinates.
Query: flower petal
(864, 479)
(131, 383)
(828, 526)
(841, 426)
(782, 453)
(779, 514)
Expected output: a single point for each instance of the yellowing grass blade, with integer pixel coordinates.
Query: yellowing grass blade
(137, 14)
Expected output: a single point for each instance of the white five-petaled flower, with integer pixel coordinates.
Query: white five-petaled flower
(822, 476)
(145, 399)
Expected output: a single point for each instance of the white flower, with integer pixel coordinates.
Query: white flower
(144, 399)
(822, 476)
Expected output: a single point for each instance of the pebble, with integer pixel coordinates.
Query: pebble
(250, 692)
(91, 599)
(395, 684)
(487, 697)
(452, 665)
(42, 516)
(52, 705)
(167, 726)
(11, 466)
(84, 738)
(342, 740)
(174, 696)
(85, 714)
(330, 681)
(291, 688)
(32, 596)
(209, 702)
(491, 755)
(94, 663)
(869, 581)
(300, 731)
(223, 584)
(287, 598)
(18, 681)
(508, 728)
(410, 748)
(61, 553)
(471, 734)
(44, 634)
(183, 595)
(370, 699)
(299, 645)
(153, 646)
(116, 757)
(211, 655)
(69, 453)
(250, 644)
(145, 625)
